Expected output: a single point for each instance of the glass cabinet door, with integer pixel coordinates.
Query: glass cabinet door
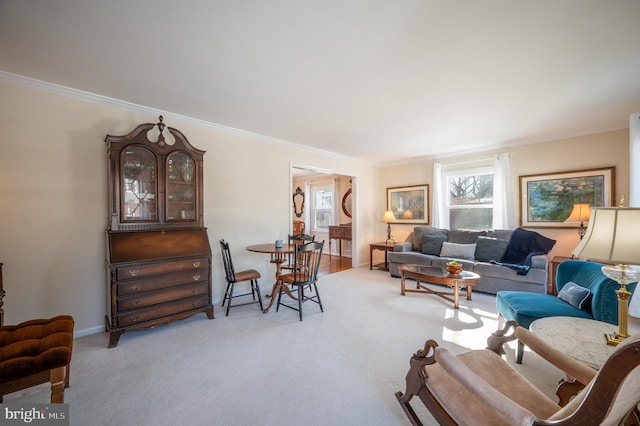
(139, 185)
(181, 187)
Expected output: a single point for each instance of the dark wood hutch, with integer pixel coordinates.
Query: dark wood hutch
(158, 252)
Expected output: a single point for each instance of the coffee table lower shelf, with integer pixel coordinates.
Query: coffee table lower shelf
(430, 275)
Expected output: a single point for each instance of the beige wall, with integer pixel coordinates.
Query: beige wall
(584, 152)
(54, 194)
(54, 198)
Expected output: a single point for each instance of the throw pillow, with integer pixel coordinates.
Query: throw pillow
(432, 244)
(464, 236)
(420, 231)
(458, 251)
(575, 295)
(488, 248)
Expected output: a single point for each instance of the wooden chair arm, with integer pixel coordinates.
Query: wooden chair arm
(511, 412)
(579, 371)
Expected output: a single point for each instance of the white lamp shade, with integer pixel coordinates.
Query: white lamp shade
(613, 236)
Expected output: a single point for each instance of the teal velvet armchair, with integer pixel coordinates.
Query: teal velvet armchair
(524, 307)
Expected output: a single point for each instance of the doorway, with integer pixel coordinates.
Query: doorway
(323, 199)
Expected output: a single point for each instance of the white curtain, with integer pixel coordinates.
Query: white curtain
(634, 151)
(440, 219)
(307, 205)
(503, 217)
(335, 214)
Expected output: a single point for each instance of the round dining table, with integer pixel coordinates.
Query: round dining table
(278, 257)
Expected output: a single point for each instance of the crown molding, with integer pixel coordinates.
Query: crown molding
(32, 83)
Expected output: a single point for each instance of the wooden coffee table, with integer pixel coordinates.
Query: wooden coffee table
(431, 275)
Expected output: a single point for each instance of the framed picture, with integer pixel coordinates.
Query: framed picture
(409, 204)
(546, 200)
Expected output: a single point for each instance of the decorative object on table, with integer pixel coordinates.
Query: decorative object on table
(580, 214)
(547, 200)
(298, 202)
(278, 243)
(409, 204)
(388, 218)
(612, 237)
(454, 267)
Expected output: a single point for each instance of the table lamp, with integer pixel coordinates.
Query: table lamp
(388, 218)
(580, 214)
(613, 237)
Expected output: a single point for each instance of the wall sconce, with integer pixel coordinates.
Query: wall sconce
(580, 214)
(388, 218)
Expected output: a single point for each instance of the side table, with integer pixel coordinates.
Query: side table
(551, 286)
(384, 246)
(581, 339)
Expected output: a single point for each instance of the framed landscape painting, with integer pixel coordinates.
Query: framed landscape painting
(546, 200)
(409, 204)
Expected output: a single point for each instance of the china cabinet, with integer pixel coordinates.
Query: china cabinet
(158, 252)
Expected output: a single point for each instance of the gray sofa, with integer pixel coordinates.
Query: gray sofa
(482, 252)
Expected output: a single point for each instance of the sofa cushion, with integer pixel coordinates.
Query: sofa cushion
(463, 236)
(524, 243)
(420, 231)
(459, 251)
(575, 295)
(488, 248)
(524, 307)
(432, 244)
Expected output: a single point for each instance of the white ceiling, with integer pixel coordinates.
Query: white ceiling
(382, 80)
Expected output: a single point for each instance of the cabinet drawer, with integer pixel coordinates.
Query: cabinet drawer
(155, 312)
(340, 233)
(161, 296)
(163, 281)
(138, 271)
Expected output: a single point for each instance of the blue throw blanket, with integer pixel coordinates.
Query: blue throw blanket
(523, 245)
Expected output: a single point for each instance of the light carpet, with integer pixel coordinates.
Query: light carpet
(340, 367)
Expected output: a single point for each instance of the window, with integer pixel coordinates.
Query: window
(469, 199)
(322, 209)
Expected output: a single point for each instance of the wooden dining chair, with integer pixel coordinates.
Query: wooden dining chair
(303, 276)
(296, 240)
(234, 277)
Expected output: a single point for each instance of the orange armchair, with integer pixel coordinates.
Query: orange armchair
(35, 352)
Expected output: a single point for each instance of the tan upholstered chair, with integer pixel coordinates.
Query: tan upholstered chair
(480, 388)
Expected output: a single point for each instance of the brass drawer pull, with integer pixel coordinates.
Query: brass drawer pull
(133, 288)
(133, 272)
(196, 291)
(196, 277)
(134, 302)
(196, 264)
(134, 318)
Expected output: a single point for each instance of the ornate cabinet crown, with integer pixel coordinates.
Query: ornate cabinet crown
(154, 185)
(158, 252)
